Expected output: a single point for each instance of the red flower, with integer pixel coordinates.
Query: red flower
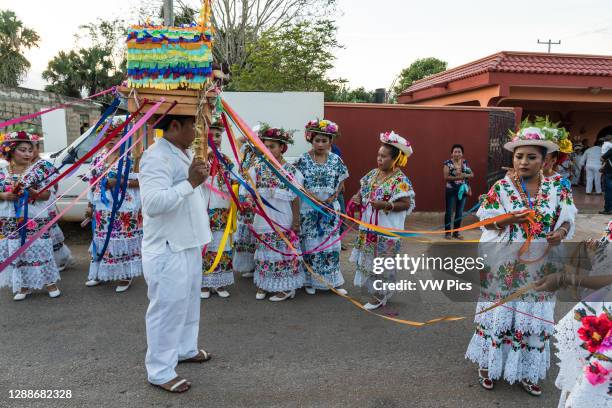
(519, 335)
(594, 330)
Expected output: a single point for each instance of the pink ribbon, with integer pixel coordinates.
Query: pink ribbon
(34, 115)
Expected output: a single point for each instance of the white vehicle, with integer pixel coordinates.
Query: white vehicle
(71, 186)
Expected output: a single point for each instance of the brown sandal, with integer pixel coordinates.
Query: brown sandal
(202, 357)
(175, 386)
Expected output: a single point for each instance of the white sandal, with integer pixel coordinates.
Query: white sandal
(485, 382)
(123, 288)
(531, 389)
(21, 296)
(54, 293)
(222, 293)
(288, 295)
(374, 306)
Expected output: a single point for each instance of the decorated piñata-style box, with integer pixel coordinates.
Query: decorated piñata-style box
(171, 62)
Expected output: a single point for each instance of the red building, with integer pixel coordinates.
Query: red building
(431, 131)
(573, 89)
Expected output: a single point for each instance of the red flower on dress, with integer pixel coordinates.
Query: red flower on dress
(594, 330)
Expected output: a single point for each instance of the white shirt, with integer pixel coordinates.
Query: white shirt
(173, 211)
(592, 157)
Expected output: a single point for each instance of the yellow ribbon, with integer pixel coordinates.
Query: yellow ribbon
(229, 228)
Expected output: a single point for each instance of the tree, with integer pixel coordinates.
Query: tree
(92, 68)
(14, 39)
(240, 23)
(419, 69)
(296, 58)
(356, 95)
(62, 74)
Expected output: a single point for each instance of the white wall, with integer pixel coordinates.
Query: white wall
(288, 110)
(54, 130)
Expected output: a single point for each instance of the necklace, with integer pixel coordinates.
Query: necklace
(13, 169)
(313, 156)
(375, 183)
(524, 193)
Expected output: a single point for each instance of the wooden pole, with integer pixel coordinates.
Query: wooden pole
(138, 149)
(203, 121)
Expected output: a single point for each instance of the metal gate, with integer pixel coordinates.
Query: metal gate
(500, 123)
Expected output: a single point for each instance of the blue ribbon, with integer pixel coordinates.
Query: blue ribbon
(287, 183)
(246, 185)
(524, 187)
(120, 187)
(18, 205)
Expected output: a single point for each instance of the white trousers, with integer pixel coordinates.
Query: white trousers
(593, 176)
(173, 316)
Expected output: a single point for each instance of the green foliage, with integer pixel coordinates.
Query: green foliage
(295, 58)
(419, 69)
(357, 95)
(14, 39)
(90, 69)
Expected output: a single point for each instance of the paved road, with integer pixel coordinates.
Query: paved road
(309, 352)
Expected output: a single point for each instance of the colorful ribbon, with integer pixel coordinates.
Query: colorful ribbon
(46, 227)
(64, 105)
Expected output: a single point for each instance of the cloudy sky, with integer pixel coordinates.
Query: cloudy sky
(380, 37)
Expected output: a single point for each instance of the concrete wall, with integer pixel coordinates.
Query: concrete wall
(15, 102)
(431, 131)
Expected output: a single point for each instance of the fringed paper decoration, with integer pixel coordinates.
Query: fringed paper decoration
(169, 58)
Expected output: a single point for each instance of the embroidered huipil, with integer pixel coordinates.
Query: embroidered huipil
(513, 342)
(42, 173)
(36, 267)
(123, 256)
(370, 245)
(218, 213)
(275, 269)
(244, 244)
(318, 231)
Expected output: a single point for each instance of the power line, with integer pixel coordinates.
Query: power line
(549, 42)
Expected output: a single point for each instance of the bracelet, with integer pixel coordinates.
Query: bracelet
(497, 227)
(563, 229)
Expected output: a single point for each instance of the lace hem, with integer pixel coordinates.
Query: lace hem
(511, 365)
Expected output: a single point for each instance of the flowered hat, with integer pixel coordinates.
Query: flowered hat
(555, 133)
(529, 134)
(266, 132)
(11, 140)
(395, 140)
(322, 127)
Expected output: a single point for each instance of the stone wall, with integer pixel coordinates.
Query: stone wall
(15, 102)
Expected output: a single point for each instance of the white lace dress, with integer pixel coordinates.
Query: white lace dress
(36, 267)
(122, 259)
(513, 341)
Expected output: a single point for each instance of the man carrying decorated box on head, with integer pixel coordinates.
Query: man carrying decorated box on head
(176, 228)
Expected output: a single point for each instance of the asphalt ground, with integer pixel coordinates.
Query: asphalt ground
(312, 351)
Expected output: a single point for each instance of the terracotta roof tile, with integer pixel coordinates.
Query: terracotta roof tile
(522, 62)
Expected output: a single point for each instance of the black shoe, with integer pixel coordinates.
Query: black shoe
(606, 212)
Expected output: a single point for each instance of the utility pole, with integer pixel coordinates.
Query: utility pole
(549, 42)
(168, 13)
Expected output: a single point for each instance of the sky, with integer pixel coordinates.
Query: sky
(380, 37)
